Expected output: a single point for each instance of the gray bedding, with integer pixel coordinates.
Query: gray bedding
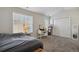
(9, 44)
(19, 43)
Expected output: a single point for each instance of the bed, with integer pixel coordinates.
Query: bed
(20, 43)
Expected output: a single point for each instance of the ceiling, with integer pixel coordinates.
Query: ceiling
(49, 11)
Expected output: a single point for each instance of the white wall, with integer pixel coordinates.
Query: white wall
(6, 19)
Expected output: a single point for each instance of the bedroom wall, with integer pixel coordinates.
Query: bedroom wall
(6, 19)
(72, 13)
(37, 18)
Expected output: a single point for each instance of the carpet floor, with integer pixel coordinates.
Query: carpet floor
(60, 44)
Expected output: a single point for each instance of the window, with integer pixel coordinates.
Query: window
(46, 23)
(51, 21)
(22, 23)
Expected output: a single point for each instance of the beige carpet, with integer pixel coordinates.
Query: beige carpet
(60, 44)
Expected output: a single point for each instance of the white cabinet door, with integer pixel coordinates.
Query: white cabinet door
(62, 27)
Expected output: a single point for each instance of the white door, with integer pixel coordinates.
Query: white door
(62, 27)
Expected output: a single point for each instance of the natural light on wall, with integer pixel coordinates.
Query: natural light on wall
(48, 21)
(22, 23)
